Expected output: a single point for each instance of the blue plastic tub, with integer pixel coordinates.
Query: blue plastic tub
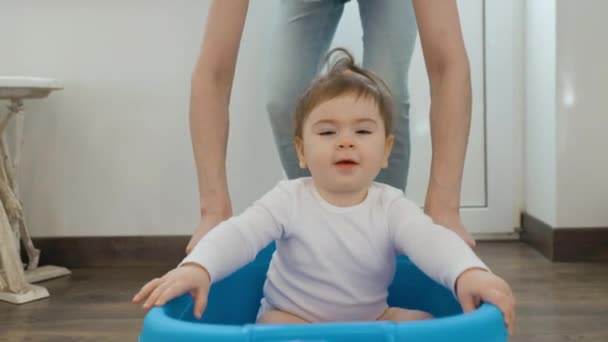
(234, 302)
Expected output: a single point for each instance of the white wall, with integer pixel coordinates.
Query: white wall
(582, 110)
(566, 113)
(519, 107)
(111, 154)
(539, 152)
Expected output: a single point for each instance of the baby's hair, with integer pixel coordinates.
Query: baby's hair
(345, 77)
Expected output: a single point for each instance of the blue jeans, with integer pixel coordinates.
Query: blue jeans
(303, 36)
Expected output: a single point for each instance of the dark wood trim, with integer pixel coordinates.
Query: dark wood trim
(561, 244)
(537, 234)
(112, 251)
(581, 244)
(565, 244)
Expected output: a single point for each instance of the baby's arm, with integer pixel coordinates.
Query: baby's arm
(226, 248)
(447, 259)
(438, 252)
(236, 241)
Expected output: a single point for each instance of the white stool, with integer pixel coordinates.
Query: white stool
(15, 282)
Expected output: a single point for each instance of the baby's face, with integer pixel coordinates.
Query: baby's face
(344, 143)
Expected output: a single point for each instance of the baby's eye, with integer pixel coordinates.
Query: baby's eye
(326, 132)
(364, 131)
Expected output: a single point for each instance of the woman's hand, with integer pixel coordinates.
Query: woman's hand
(208, 222)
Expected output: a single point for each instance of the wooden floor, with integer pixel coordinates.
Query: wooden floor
(555, 302)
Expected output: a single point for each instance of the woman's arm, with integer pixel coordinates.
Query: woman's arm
(450, 81)
(209, 100)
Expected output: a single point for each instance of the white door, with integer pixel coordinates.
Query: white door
(487, 199)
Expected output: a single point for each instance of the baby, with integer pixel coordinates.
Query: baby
(338, 232)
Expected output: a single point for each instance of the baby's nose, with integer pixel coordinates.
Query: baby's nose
(346, 143)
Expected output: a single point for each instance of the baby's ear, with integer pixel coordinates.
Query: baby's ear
(388, 147)
(300, 150)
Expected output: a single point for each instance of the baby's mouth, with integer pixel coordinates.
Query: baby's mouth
(346, 164)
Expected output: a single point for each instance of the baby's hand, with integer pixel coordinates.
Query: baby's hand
(186, 278)
(476, 285)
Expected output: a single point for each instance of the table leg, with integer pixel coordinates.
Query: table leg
(14, 287)
(15, 284)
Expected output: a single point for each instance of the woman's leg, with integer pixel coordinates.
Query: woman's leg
(304, 32)
(389, 37)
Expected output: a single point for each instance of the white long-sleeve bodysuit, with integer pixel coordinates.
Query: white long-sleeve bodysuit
(333, 263)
